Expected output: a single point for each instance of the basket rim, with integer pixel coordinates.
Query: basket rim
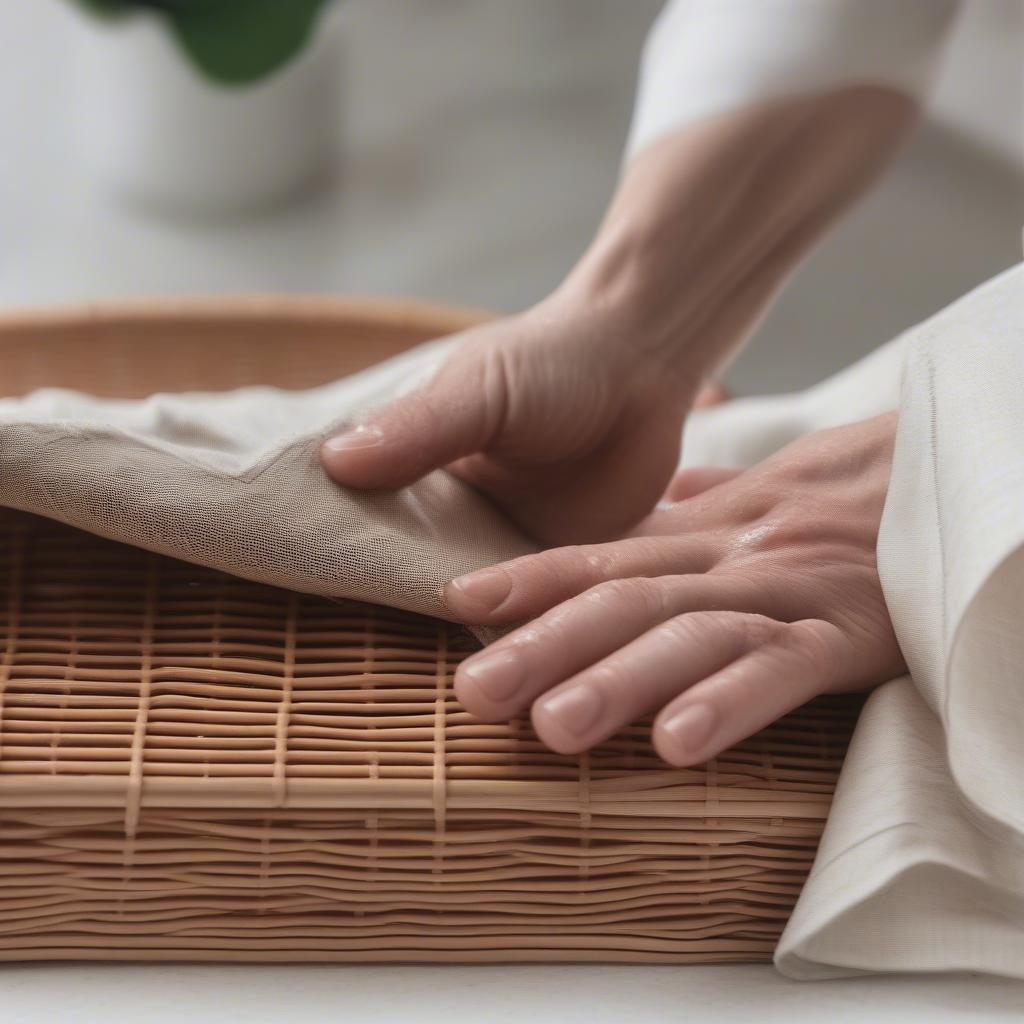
(227, 308)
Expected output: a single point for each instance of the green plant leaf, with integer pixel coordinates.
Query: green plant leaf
(105, 8)
(240, 41)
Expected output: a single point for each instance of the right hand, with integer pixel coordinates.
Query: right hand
(755, 593)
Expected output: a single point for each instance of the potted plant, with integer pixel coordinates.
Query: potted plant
(207, 105)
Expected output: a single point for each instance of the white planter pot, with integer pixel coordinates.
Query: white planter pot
(151, 127)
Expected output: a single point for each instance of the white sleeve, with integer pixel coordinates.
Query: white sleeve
(920, 865)
(704, 57)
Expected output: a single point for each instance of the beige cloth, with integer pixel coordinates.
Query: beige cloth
(922, 863)
(234, 481)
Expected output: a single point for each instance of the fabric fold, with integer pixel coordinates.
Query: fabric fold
(938, 761)
(921, 867)
(234, 481)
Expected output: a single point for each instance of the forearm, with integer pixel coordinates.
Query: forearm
(756, 123)
(710, 218)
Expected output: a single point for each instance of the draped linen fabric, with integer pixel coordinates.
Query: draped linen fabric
(234, 481)
(921, 867)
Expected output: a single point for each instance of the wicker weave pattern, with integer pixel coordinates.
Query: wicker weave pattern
(197, 767)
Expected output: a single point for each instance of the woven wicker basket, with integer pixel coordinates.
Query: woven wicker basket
(196, 767)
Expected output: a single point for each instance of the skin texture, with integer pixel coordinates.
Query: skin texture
(569, 415)
(721, 612)
(738, 603)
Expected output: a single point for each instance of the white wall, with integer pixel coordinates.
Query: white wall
(480, 143)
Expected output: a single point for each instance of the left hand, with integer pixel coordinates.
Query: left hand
(721, 612)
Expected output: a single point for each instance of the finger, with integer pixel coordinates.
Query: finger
(688, 483)
(803, 660)
(508, 676)
(451, 416)
(521, 589)
(644, 675)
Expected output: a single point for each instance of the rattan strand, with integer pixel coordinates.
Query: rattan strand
(196, 767)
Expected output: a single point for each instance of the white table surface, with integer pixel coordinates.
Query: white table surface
(475, 175)
(488, 995)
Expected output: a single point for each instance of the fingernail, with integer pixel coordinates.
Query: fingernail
(487, 589)
(352, 440)
(498, 676)
(691, 729)
(576, 710)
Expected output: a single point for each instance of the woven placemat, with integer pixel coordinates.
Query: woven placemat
(197, 767)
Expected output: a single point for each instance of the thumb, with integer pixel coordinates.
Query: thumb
(449, 417)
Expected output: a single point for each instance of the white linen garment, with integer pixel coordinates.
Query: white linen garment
(921, 867)
(706, 57)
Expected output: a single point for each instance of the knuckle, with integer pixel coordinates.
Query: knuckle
(609, 678)
(526, 567)
(568, 564)
(763, 534)
(536, 636)
(815, 643)
(417, 410)
(747, 630)
(620, 592)
(686, 629)
(595, 558)
(593, 563)
(760, 629)
(549, 568)
(570, 569)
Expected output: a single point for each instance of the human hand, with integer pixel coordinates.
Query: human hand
(550, 413)
(569, 416)
(720, 613)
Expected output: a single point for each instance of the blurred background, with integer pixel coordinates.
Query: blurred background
(457, 150)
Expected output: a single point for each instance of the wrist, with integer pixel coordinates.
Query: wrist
(708, 221)
(607, 317)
